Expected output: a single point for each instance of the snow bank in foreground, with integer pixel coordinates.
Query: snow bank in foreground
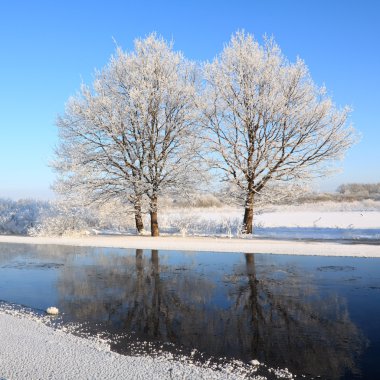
(32, 350)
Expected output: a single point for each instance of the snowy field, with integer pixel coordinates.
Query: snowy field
(356, 220)
(311, 229)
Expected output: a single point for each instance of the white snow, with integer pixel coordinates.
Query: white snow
(52, 310)
(215, 229)
(323, 221)
(207, 244)
(30, 349)
(337, 220)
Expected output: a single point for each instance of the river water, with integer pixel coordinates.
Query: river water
(316, 316)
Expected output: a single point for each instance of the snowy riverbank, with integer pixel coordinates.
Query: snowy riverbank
(207, 244)
(31, 349)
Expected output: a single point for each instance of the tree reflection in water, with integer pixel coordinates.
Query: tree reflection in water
(254, 312)
(280, 320)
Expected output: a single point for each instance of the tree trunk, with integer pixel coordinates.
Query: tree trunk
(138, 217)
(154, 217)
(248, 214)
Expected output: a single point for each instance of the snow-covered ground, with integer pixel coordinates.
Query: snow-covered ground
(323, 220)
(329, 220)
(30, 349)
(286, 229)
(210, 244)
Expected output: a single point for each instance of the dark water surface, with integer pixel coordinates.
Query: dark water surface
(317, 316)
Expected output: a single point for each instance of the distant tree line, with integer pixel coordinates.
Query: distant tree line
(360, 189)
(18, 217)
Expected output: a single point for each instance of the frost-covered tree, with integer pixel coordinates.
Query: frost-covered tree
(19, 217)
(133, 135)
(268, 123)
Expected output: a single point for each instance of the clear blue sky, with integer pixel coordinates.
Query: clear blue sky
(48, 47)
